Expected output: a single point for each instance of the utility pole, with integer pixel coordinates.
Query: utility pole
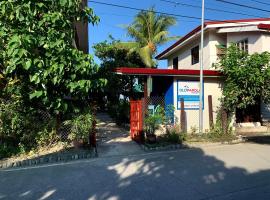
(201, 73)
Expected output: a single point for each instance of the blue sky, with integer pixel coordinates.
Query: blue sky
(112, 18)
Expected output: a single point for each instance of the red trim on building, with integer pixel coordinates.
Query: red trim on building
(165, 72)
(193, 32)
(264, 26)
(198, 29)
(238, 21)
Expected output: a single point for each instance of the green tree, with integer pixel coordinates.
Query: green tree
(112, 56)
(37, 53)
(247, 78)
(149, 30)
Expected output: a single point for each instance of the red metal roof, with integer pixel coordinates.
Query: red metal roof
(198, 29)
(264, 26)
(165, 72)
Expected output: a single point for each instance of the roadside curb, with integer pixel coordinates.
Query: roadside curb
(214, 144)
(190, 145)
(65, 157)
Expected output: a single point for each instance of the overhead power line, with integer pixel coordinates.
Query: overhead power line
(261, 2)
(122, 15)
(164, 13)
(140, 9)
(208, 8)
(242, 5)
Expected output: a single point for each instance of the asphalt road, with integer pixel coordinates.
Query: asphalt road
(218, 172)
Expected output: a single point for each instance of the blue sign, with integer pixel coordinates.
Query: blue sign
(190, 92)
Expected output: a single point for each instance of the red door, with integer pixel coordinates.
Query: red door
(136, 120)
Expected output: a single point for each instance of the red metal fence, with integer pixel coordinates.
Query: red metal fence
(136, 120)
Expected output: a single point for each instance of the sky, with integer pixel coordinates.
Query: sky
(112, 18)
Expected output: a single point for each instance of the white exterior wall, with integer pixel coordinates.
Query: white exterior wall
(210, 52)
(266, 42)
(255, 40)
(214, 40)
(184, 55)
(212, 86)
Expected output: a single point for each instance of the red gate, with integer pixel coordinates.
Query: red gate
(136, 120)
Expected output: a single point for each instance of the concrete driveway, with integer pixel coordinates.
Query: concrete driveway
(114, 140)
(222, 172)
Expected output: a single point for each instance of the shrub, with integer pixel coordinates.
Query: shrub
(174, 135)
(81, 126)
(194, 130)
(153, 121)
(120, 111)
(22, 130)
(47, 136)
(217, 132)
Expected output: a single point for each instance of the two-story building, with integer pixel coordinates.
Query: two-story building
(251, 35)
(182, 75)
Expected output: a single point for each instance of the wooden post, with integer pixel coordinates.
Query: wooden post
(210, 110)
(58, 123)
(182, 117)
(145, 87)
(93, 132)
(224, 118)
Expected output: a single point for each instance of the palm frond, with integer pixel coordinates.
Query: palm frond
(149, 30)
(146, 56)
(137, 35)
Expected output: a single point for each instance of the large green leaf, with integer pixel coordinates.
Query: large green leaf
(36, 94)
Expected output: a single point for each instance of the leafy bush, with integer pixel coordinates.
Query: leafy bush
(81, 126)
(21, 129)
(218, 132)
(174, 135)
(246, 78)
(47, 136)
(194, 130)
(152, 122)
(120, 111)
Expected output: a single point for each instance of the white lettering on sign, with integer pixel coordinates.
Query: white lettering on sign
(190, 92)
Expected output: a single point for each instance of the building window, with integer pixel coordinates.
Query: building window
(243, 45)
(175, 63)
(221, 51)
(195, 56)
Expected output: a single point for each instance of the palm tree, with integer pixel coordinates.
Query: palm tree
(149, 30)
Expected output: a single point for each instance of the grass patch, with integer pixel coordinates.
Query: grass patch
(209, 137)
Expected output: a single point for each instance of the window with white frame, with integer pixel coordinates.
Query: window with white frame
(243, 45)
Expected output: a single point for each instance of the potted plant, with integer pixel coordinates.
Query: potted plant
(152, 123)
(80, 127)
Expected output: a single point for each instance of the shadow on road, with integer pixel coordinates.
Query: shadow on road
(259, 139)
(187, 174)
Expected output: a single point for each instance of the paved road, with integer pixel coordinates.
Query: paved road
(221, 172)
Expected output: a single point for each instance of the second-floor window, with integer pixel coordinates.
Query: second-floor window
(195, 55)
(243, 45)
(175, 63)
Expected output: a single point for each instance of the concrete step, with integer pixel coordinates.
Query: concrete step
(251, 131)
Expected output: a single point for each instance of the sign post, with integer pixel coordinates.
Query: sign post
(201, 73)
